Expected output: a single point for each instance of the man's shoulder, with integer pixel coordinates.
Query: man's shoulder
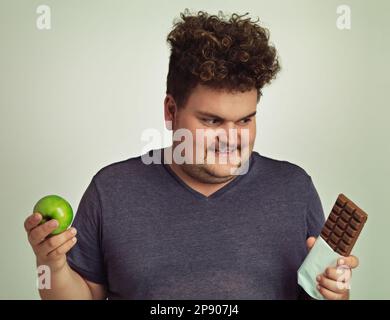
(133, 168)
(283, 178)
(279, 167)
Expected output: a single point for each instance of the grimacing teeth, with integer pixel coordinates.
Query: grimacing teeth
(225, 150)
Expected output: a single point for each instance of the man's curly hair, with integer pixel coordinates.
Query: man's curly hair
(232, 54)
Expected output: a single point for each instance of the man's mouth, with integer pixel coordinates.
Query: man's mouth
(225, 151)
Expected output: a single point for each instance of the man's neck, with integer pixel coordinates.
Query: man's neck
(207, 189)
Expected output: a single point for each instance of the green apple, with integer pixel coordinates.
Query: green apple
(55, 207)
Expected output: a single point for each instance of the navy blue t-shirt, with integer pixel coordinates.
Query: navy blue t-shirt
(145, 234)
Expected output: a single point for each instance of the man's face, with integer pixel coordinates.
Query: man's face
(223, 130)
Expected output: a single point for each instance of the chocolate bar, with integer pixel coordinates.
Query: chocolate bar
(343, 226)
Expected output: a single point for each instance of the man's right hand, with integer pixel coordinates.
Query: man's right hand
(50, 251)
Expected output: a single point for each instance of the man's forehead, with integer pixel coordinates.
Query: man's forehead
(222, 103)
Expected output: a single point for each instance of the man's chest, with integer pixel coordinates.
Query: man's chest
(205, 251)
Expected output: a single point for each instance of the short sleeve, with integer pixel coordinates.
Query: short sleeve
(86, 256)
(315, 218)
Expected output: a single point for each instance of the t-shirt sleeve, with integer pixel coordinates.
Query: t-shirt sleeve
(86, 256)
(315, 218)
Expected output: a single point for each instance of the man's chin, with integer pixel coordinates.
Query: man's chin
(222, 170)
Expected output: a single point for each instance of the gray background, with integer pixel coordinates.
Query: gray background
(77, 97)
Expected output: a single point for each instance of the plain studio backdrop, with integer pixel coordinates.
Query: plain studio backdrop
(78, 96)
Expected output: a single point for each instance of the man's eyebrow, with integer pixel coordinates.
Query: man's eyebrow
(208, 114)
(211, 115)
(249, 115)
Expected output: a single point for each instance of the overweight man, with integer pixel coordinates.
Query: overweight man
(207, 217)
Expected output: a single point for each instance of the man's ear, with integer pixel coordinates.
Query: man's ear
(170, 111)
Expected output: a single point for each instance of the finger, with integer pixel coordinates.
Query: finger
(332, 285)
(32, 221)
(340, 273)
(38, 234)
(56, 241)
(310, 242)
(350, 261)
(330, 295)
(63, 249)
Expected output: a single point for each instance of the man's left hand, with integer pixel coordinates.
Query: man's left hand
(334, 282)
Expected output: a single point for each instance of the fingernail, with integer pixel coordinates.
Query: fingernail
(341, 261)
(53, 223)
(318, 278)
(318, 287)
(74, 239)
(36, 216)
(73, 230)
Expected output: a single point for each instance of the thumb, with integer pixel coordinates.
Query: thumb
(310, 242)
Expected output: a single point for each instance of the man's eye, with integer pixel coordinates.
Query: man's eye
(245, 121)
(211, 121)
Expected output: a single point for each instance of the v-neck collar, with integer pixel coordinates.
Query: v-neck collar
(198, 194)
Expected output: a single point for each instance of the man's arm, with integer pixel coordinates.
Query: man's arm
(65, 283)
(68, 284)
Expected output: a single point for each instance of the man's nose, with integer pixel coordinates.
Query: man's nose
(228, 125)
(229, 134)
